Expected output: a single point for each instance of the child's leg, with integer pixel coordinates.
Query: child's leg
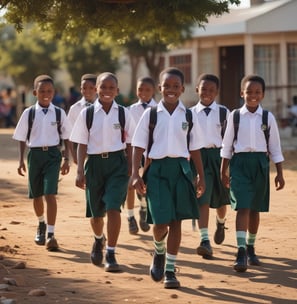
(204, 249)
(242, 220)
(51, 202)
(219, 235)
(173, 244)
(252, 233)
(130, 201)
(41, 229)
(97, 224)
(113, 231)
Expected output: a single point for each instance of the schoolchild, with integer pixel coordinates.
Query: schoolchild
(89, 95)
(248, 144)
(44, 156)
(169, 188)
(145, 92)
(211, 117)
(104, 175)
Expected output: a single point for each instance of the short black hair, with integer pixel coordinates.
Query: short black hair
(209, 77)
(42, 78)
(252, 77)
(146, 79)
(89, 77)
(173, 71)
(106, 75)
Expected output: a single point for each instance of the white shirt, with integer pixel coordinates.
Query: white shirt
(105, 133)
(210, 124)
(170, 133)
(250, 136)
(44, 129)
(137, 109)
(75, 109)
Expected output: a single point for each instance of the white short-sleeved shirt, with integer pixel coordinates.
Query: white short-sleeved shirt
(170, 133)
(210, 124)
(105, 133)
(137, 109)
(250, 136)
(75, 109)
(44, 129)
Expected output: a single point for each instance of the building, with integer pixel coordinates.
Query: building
(260, 39)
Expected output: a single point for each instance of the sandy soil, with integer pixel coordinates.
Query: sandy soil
(68, 276)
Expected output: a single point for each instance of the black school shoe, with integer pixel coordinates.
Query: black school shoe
(157, 267)
(40, 235)
(170, 281)
(205, 250)
(219, 235)
(133, 227)
(111, 264)
(240, 264)
(252, 258)
(145, 227)
(97, 251)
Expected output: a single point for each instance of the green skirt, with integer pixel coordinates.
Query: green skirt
(170, 191)
(249, 181)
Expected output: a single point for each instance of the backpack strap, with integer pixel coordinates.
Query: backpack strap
(223, 120)
(152, 124)
(58, 119)
(236, 118)
(31, 117)
(122, 121)
(189, 118)
(89, 117)
(265, 127)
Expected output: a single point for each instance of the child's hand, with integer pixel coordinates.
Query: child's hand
(80, 180)
(137, 183)
(200, 189)
(225, 180)
(22, 169)
(65, 167)
(279, 182)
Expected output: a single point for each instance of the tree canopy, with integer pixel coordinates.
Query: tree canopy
(160, 20)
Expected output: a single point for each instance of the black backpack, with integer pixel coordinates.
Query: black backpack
(122, 119)
(153, 121)
(265, 128)
(31, 117)
(223, 120)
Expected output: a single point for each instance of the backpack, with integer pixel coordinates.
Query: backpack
(31, 117)
(122, 119)
(153, 121)
(223, 120)
(265, 128)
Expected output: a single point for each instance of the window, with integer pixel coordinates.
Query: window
(184, 63)
(292, 70)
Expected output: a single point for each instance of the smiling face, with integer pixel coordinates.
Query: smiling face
(171, 88)
(252, 93)
(107, 88)
(207, 91)
(145, 91)
(44, 92)
(88, 90)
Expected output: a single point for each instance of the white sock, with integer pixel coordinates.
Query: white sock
(50, 228)
(130, 212)
(41, 218)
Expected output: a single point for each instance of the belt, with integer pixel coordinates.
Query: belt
(105, 155)
(44, 148)
(211, 147)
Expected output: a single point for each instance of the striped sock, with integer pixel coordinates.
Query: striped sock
(159, 247)
(251, 238)
(170, 262)
(241, 239)
(204, 234)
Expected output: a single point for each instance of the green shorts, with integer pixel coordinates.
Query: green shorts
(216, 195)
(249, 181)
(170, 191)
(106, 183)
(43, 171)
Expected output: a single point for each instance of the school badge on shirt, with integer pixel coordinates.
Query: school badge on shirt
(185, 125)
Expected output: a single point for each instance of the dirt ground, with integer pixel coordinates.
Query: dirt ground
(68, 276)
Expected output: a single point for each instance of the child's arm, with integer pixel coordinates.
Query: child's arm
(81, 156)
(22, 166)
(65, 165)
(225, 173)
(196, 157)
(136, 181)
(279, 179)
